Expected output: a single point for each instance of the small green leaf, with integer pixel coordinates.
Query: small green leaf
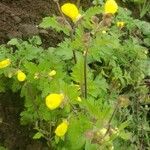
(13, 42)
(54, 24)
(38, 135)
(125, 135)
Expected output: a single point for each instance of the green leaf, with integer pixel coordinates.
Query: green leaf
(13, 42)
(90, 146)
(64, 50)
(124, 125)
(77, 72)
(3, 148)
(75, 138)
(54, 24)
(38, 135)
(35, 40)
(125, 135)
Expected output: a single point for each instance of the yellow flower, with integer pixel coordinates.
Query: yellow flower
(110, 7)
(4, 63)
(54, 100)
(71, 11)
(120, 24)
(21, 76)
(52, 73)
(62, 128)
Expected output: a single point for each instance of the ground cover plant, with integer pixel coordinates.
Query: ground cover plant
(89, 91)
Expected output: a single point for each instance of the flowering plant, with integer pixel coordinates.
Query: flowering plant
(80, 94)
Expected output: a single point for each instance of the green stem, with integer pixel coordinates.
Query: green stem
(72, 29)
(85, 73)
(113, 114)
(71, 36)
(78, 3)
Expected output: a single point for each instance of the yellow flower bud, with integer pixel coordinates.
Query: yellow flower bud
(62, 128)
(104, 32)
(21, 76)
(120, 24)
(71, 11)
(36, 75)
(54, 100)
(4, 63)
(110, 7)
(52, 73)
(78, 86)
(79, 99)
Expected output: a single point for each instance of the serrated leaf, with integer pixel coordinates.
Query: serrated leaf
(75, 136)
(64, 50)
(52, 22)
(77, 72)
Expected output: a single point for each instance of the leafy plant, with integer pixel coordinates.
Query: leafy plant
(88, 92)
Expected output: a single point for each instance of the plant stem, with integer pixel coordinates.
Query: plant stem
(113, 114)
(85, 73)
(72, 29)
(58, 6)
(71, 36)
(78, 3)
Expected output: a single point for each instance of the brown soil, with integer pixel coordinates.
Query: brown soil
(13, 136)
(18, 18)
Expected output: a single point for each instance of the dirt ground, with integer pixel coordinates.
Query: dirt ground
(18, 18)
(13, 136)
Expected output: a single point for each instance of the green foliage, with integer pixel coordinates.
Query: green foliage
(54, 24)
(115, 66)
